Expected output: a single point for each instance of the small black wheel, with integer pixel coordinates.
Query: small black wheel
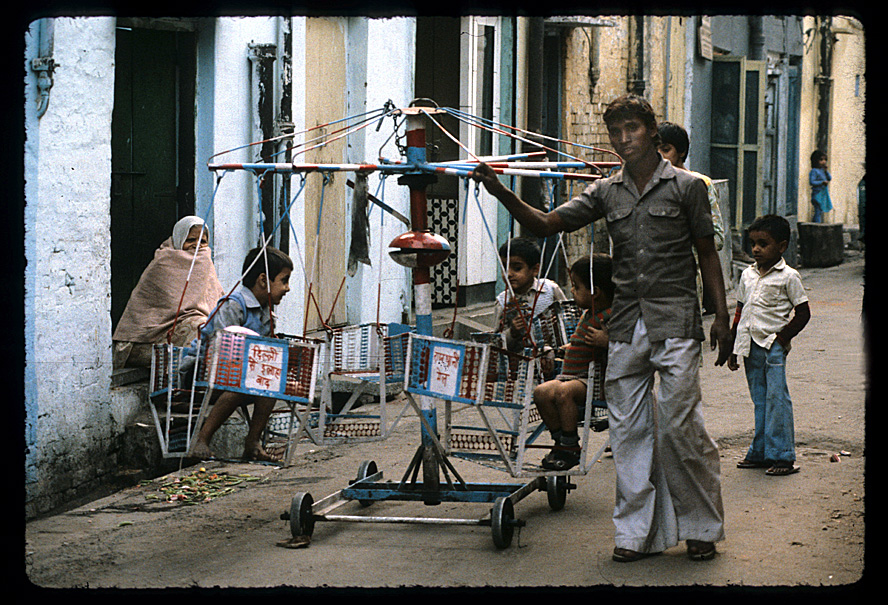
(367, 468)
(301, 517)
(556, 491)
(501, 517)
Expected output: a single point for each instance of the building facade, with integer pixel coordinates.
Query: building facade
(833, 103)
(121, 163)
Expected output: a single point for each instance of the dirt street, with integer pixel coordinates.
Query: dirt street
(805, 530)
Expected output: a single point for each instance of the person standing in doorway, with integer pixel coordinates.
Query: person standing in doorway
(819, 178)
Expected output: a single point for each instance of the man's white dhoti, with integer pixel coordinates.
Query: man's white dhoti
(667, 466)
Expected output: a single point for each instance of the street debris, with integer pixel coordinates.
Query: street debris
(837, 457)
(200, 486)
(295, 542)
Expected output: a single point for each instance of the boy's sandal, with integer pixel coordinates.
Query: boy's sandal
(559, 459)
(782, 469)
(747, 463)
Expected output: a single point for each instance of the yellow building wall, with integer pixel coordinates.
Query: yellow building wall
(665, 66)
(847, 134)
(325, 85)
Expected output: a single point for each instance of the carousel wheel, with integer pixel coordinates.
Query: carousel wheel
(366, 469)
(502, 518)
(301, 518)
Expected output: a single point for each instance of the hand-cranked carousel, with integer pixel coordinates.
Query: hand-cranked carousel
(488, 383)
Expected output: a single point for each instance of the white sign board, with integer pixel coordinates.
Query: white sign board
(444, 370)
(265, 367)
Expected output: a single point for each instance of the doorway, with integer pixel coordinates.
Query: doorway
(152, 149)
(437, 77)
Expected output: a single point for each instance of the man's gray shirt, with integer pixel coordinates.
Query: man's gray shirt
(653, 237)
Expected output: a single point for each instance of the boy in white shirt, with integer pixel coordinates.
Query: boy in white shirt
(527, 294)
(772, 308)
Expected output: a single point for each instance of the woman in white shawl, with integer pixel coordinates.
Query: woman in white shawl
(157, 306)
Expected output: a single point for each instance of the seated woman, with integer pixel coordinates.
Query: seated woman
(152, 309)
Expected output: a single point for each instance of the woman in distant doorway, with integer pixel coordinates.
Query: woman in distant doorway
(157, 306)
(819, 178)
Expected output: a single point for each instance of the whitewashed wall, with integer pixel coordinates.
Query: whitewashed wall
(74, 420)
(69, 421)
(235, 207)
(477, 234)
(381, 57)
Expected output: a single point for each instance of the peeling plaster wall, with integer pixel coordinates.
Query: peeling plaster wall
(74, 419)
(381, 55)
(70, 426)
(583, 110)
(847, 133)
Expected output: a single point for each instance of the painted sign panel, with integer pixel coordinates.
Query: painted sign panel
(265, 367)
(445, 369)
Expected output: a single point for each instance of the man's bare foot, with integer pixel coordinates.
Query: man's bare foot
(201, 450)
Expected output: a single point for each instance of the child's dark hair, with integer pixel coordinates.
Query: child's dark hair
(632, 106)
(675, 135)
(602, 272)
(276, 261)
(816, 156)
(776, 225)
(524, 248)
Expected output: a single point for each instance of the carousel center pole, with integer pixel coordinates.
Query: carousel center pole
(422, 296)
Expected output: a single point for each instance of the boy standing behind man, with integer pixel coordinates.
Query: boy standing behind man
(675, 144)
(768, 293)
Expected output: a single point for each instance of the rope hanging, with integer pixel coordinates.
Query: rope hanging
(315, 260)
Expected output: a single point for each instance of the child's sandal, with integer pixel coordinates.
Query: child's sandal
(782, 469)
(559, 459)
(746, 463)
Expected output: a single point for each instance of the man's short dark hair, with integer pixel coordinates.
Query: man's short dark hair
(524, 248)
(776, 225)
(632, 106)
(675, 135)
(276, 261)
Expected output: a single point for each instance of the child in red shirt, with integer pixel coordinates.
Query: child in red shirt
(560, 400)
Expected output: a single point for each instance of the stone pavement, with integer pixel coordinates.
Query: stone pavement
(805, 531)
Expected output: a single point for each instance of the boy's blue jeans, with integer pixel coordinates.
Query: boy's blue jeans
(774, 439)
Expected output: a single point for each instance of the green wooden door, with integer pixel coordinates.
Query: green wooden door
(152, 149)
(738, 134)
